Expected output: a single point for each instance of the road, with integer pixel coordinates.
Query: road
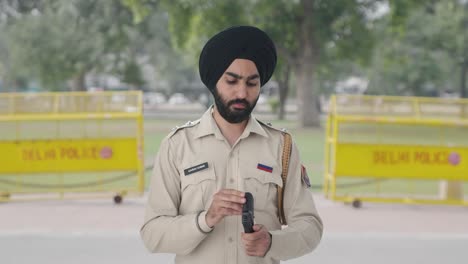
(96, 231)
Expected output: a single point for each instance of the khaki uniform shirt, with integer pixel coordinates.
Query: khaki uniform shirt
(195, 162)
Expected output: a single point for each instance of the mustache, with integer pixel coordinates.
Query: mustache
(238, 101)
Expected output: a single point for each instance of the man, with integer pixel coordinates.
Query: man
(204, 168)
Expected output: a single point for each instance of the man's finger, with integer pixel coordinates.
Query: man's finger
(257, 227)
(233, 192)
(251, 252)
(249, 244)
(231, 205)
(233, 198)
(253, 236)
(227, 211)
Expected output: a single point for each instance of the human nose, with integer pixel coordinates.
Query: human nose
(241, 92)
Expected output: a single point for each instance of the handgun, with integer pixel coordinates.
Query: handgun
(248, 213)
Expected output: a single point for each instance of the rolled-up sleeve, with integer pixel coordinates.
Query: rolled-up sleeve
(305, 228)
(164, 230)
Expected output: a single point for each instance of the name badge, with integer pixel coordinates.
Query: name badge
(196, 168)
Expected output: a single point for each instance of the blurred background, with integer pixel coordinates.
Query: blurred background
(412, 49)
(378, 47)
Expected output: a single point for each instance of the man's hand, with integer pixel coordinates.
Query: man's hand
(225, 202)
(257, 243)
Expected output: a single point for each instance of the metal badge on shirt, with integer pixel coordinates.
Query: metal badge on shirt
(264, 168)
(305, 177)
(196, 168)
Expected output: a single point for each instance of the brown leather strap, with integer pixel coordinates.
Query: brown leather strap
(287, 146)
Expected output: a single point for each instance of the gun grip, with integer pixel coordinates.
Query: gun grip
(248, 213)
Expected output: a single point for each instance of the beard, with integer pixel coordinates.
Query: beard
(236, 115)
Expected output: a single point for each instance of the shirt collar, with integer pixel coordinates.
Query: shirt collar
(208, 126)
(253, 126)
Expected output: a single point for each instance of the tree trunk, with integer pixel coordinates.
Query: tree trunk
(78, 83)
(283, 83)
(308, 111)
(282, 101)
(307, 59)
(463, 79)
(463, 92)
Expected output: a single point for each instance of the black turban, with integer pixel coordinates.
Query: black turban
(240, 42)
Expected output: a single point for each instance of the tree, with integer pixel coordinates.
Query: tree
(174, 70)
(62, 40)
(418, 55)
(307, 33)
(315, 38)
(10, 10)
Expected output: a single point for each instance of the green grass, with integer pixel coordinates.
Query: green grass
(403, 134)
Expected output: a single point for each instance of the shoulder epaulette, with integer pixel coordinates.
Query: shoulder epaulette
(269, 125)
(186, 125)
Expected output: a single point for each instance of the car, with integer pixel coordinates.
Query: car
(178, 98)
(262, 99)
(154, 99)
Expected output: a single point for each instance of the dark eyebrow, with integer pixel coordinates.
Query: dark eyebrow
(237, 76)
(252, 77)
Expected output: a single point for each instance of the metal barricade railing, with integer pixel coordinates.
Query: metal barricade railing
(74, 144)
(396, 149)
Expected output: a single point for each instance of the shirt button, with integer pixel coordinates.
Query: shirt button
(231, 180)
(230, 239)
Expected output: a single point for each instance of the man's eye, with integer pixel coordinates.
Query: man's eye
(231, 81)
(251, 84)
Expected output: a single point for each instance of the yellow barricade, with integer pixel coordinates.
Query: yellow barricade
(74, 144)
(396, 149)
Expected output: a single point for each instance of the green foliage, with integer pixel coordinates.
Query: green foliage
(338, 29)
(173, 69)
(192, 22)
(417, 47)
(341, 27)
(422, 56)
(274, 104)
(132, 75)
(138, 8)
(67, 39)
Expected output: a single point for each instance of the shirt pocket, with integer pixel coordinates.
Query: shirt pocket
(197, 188)
(263, 186)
